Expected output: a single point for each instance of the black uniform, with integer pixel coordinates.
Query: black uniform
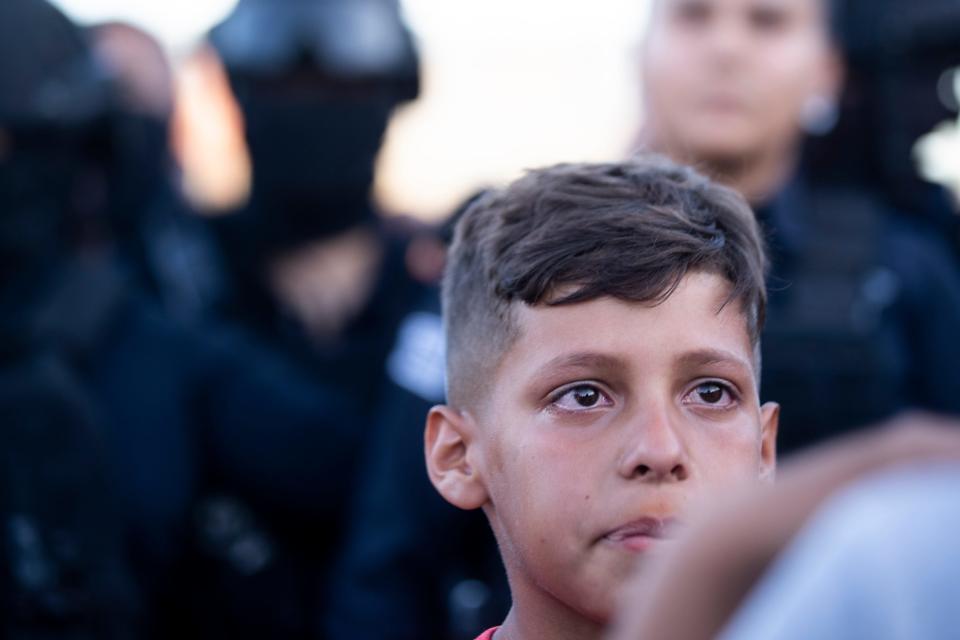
(164, 442)
(863, 309)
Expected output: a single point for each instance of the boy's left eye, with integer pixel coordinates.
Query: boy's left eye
(712, 394)
(580, 398)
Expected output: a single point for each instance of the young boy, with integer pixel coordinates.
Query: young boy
(602, 328)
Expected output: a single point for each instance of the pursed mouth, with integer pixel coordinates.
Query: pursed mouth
(646, 527)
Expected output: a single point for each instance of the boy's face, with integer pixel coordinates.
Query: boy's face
(727, 79)
(604, 423)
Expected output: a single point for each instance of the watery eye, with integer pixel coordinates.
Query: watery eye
(581, 397)
(711, 393)
(586, 396)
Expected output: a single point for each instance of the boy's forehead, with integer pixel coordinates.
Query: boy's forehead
(693, 324)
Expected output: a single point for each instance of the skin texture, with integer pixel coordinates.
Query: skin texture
(726, 83)
(671, 418)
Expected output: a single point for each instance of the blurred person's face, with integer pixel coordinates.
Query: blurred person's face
(604, 425)
(730, 80)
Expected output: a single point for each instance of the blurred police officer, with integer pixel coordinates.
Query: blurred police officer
(901, 62)
(314, 268)
(64, 574)
(863, 303)
(429, 570)
(168, 247)
(195, 429)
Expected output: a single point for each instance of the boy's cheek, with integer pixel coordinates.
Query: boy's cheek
(543, 491)
(728, 463)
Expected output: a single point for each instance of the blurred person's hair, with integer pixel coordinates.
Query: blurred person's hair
(576, 232)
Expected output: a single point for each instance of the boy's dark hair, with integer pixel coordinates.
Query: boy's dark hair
(576, 232)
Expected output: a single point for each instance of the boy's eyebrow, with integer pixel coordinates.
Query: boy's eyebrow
(583, 359)
(708, 357)
(688, 360)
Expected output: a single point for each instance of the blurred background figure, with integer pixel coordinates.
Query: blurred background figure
(168, 248)
(428, 569)
(63, 574)
(146, 461)
(314, 268)
(64, 571)
(901, 82)
(864, 294)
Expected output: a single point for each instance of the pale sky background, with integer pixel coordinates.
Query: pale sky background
(507, 85)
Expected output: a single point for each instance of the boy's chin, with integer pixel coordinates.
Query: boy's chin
(602, 609)
(600, 603)
(625, 578)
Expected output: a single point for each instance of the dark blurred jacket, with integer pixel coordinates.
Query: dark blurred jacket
(426, 568)
(185, 414)
(864, 305)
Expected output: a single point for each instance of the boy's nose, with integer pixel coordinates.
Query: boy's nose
(655, 452)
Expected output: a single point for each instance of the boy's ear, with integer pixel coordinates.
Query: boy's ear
(447, 440)
(769, 423)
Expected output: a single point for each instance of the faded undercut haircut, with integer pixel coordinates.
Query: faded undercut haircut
(576, 232)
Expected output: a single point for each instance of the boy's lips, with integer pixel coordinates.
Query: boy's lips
(640, 534)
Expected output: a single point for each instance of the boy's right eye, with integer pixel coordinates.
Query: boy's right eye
(581, 397)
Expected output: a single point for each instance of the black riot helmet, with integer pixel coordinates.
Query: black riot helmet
(54, 101)
(346, 41)
(316, 81)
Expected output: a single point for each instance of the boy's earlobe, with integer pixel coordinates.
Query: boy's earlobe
(447, 439)
(769, 424)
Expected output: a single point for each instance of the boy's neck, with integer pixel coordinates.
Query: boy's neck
(536, 615)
